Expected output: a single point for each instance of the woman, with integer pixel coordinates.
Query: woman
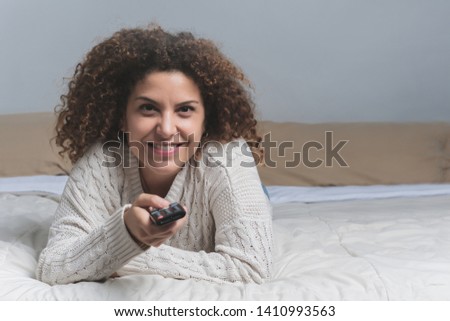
(187, 134)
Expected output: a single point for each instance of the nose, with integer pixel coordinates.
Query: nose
(166, 128)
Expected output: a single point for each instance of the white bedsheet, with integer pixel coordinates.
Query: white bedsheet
(39, 183)
(396, 248)
(278, 194)
(307, 194)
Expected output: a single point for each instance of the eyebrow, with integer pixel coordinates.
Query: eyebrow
(156, 103)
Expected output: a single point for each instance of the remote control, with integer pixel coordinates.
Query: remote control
(169, 214)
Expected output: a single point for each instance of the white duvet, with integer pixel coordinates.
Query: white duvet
(389, 247)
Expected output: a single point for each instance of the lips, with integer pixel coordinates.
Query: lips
(165, 148)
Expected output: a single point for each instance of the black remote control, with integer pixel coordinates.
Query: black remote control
(169, 214)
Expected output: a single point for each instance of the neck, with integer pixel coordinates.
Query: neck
(154, 183)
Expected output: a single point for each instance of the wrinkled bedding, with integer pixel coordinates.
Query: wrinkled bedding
(395, 248)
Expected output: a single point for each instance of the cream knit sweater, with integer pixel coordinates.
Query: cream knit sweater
(227, 237)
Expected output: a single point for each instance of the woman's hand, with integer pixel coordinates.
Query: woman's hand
(141, 227)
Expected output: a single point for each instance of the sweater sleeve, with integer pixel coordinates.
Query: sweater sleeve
(243, 233)
(88, 239)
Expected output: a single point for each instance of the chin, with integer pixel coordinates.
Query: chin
(167, 171)
(165, 166)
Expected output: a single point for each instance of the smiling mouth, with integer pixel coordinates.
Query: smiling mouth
(165, 148)
(166, 145)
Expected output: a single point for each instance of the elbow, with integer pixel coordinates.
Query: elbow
(52, 277)
(41, 272)
(263, 268)
(46, 274)
(264, 275)
(259, 273)
(52, 274)
(44, 277)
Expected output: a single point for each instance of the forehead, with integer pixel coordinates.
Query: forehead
(167, 82)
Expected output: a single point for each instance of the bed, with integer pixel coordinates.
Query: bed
(371, 222)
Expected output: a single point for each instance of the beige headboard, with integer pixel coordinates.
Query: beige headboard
(26, 148)
(303, 154)
(358, 153)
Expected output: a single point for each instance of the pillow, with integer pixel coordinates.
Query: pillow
(355, 153)
(26, 148)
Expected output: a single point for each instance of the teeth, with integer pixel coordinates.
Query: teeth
(163, 147)
(166, 147)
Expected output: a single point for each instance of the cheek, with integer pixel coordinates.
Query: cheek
(193, 132)
(192, 129)
(138, 128)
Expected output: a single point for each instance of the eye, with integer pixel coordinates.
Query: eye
(147, 108)
(185, 109)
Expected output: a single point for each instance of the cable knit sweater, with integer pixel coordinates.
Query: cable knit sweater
(227, 237)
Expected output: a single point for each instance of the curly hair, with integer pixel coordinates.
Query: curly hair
(95, 105)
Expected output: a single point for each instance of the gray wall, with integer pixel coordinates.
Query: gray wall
(310, 60)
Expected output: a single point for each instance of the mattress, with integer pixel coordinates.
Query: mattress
(331, 243)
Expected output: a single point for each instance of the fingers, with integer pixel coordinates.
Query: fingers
(155, 235)
(150, 200)
(166, 230)
(140, 226)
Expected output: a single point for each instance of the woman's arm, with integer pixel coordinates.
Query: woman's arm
(242, 254)
(88, 239)
(243, 234)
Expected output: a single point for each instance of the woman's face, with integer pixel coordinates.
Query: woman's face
(164, 121)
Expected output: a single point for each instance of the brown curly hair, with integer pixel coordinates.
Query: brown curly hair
(95, 105)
